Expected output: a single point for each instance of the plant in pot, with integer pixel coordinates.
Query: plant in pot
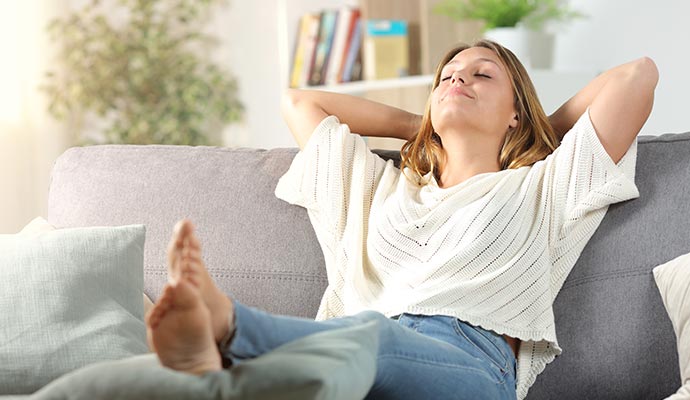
(140, 69)
(510, 22)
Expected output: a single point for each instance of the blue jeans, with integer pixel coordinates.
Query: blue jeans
(419, 357)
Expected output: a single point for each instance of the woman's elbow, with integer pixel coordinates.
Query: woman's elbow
(646, 72)
(288, 100)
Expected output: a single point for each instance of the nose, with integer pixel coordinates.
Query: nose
(457, 76)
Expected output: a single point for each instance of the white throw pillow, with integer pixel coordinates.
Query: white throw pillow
(70, 297)
(673, 281)
(39, 225)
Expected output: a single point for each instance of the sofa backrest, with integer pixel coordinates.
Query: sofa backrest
(618, 341)
(257, 247)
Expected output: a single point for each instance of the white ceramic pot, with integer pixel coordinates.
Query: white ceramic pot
(542, 45)
(516, 39)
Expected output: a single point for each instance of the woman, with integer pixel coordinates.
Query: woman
(460, 253)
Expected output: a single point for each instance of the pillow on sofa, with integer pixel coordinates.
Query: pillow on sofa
(36, 227)
(39, 225)
(337, 364)
(673, 281)
(70, 297)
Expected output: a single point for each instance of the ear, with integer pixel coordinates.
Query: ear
(513, 122)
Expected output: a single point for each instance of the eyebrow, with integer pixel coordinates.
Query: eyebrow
(480, 59)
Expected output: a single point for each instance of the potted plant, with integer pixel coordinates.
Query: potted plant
(141, 69)
(509, 22)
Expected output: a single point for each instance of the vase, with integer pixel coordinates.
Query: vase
(542, 46)
(516, 39)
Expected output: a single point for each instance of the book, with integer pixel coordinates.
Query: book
(304, 49)
(356, 72)
(342, 31)
(323, 47)
(353, 53)
(385, 47)
(351, 44)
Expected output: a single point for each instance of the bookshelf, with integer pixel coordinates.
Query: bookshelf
(430, 37)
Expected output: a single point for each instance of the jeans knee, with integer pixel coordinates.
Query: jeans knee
(366, 316)
(385, 325)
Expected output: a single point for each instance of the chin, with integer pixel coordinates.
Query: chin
(454, 121)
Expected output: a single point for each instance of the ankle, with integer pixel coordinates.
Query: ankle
(225, 329)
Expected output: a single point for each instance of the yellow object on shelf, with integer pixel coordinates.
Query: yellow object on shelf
(386, 49)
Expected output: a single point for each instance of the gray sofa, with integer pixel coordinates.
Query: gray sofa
(618, 341)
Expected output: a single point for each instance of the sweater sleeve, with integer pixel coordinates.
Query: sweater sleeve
(583, 182)
(334, 168)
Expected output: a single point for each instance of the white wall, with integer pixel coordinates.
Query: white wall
(617, 31)
(250, 51)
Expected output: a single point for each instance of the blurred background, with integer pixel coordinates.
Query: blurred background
(211, 72)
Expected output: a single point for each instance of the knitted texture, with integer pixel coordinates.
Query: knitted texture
(493, 250)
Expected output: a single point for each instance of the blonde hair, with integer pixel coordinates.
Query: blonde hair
(530, 141)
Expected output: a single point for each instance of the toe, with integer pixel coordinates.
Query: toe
(191, 276)
(155, 315)
(183, 230)
(194, 242)
(174, 258)
(193, 255)
(167, 297)
(148, 318)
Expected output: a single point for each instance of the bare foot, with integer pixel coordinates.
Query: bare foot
(184, 259)
(179, 330)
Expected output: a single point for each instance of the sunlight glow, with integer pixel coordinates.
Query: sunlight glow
(17, 40)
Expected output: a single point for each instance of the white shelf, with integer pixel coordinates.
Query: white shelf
(381, 84)
(537, 75)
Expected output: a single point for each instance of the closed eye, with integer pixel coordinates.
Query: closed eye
(480, 75)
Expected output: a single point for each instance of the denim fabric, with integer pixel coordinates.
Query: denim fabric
(419, 356)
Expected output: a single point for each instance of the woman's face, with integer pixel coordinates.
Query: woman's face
(474, 92)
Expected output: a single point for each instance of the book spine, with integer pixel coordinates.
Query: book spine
(298, 53)
(353, 51)
(313, 22)
(323, 47)
(339, 41)
(354, 21)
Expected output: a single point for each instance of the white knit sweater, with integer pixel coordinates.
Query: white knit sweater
(493, 250)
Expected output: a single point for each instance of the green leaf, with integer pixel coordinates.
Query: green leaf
(507, 13)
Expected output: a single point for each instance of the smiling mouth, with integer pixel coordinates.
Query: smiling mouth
(457, 91)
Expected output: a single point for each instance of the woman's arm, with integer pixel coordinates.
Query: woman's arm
(619, 100)
(303, 110)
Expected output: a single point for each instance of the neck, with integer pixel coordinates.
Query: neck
(467, 156)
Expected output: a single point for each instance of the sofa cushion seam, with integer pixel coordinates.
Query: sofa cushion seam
(604, 277)
(254, 274)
